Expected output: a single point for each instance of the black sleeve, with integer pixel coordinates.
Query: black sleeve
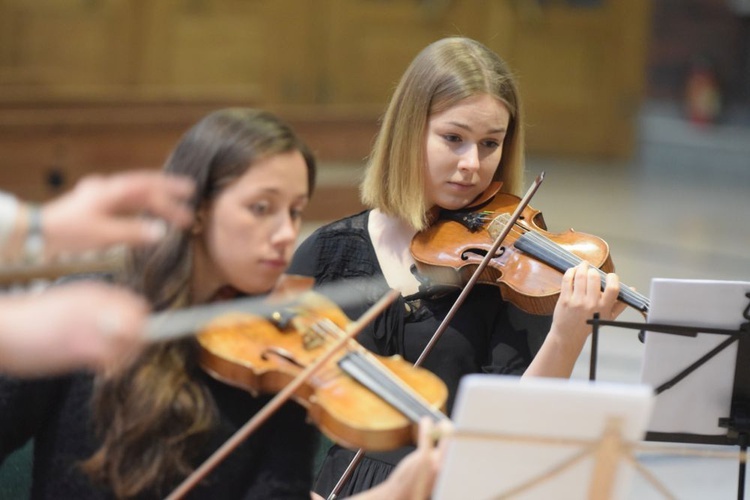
(516, 339)
(534, 327)
(286, 469)
(305, 259)
(25, 405)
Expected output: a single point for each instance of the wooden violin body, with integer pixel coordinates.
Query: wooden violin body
(527, 267)
(263, 355)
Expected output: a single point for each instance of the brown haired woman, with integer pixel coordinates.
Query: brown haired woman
(139, 430)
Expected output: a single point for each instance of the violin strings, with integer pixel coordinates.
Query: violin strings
(635, 298)
(368, 372)
(550, 247)
(375, 369)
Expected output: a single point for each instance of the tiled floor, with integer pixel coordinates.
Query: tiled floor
(680, 209)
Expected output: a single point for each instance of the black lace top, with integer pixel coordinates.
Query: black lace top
(487, 335)
(275, 462)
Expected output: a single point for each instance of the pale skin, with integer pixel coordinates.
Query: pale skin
(464, 145)
(88, 325)
(245, 237)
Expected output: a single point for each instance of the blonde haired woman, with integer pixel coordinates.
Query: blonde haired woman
(453, 126)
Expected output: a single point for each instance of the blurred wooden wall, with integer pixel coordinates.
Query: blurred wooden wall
(102, 85)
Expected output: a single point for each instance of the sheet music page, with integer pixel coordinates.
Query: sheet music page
(696, 403)
(505, 407)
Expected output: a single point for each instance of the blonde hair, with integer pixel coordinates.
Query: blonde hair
(444, 73)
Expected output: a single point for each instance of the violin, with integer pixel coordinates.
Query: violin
(358, 399)
(529, 264)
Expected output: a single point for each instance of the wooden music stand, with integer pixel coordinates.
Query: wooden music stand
(544, 438)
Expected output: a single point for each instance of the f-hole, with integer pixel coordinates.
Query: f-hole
(482, 253)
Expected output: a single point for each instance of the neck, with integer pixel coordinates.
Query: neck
(391, 237)
(390, 231)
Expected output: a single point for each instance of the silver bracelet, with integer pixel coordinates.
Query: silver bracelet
(8, 215)
(33, 247)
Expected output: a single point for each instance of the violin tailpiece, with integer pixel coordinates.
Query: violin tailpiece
(473, 221)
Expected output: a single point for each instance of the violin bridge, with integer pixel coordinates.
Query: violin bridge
(312, 334)
(311, 340)
(286, 320)
(497, 226)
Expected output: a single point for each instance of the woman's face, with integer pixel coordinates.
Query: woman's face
(464, 145)
(246, 235)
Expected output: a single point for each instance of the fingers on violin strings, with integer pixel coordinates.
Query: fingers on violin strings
(446, 430)
(612, 286)
(611, 293)
(581, 280)
(566, 288)
(593, 282)
(426, 436)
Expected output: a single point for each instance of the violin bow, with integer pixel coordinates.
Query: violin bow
(480, 268)
(282, 397)
(452, 312)
(175, 323)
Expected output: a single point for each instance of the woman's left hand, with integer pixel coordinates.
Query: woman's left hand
(581, 296)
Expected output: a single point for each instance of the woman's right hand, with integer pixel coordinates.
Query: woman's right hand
(414, 477)
(90, 325)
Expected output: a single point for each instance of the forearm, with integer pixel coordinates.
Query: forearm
(383, 491)
(557, 356)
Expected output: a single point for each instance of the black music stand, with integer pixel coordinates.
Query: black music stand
(737, 422)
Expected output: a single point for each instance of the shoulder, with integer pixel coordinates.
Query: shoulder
(346, 227)
(343, 245)
(25, 406)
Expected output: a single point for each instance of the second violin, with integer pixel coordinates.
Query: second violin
(528, 266)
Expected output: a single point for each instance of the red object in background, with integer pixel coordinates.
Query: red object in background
(702, 95)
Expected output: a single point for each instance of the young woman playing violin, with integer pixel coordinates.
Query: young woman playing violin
(138, 430)
(453, 125)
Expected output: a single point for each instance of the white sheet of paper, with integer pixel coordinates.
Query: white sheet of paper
(696, 403)
(485, 468)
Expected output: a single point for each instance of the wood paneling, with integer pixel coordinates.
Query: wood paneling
(371, 43)
(46, 148)
(92, 85)
(60, 48)
(581, 72)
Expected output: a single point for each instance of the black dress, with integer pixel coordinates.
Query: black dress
(275, 462)
(487, 335)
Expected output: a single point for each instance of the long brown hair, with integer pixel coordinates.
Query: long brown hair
(444, 73)
(155, 413)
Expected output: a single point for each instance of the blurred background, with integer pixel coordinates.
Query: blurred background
(638, 112)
